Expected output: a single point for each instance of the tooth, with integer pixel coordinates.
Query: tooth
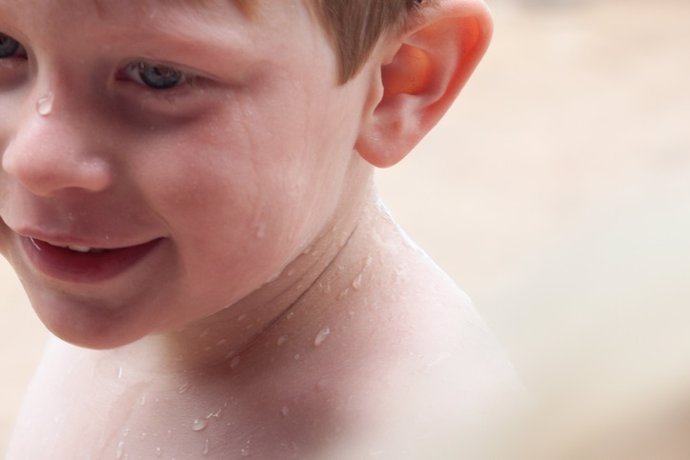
(79, 248)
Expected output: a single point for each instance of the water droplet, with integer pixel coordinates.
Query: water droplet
(143, 435)
(142, 400)
(235, 362)
(344, 293)
(44, 105)
(322, 336)
(281, 340)
(285, 411)
(321, 385)
(290, 272)
(120, 452)
(357, 283)
(215, 414)
(204, 333)
(199, 424)
(290, 315)
(120, 373)
(261, 232)
(221, 342)
(182, 389)
(159, 451)
(205, 450)
(247, 449)
(297, 357)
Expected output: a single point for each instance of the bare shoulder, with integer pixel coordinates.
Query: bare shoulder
(441, 375)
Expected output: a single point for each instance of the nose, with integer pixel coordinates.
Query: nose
(52, 151)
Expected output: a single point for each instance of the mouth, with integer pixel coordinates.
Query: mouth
(84, 264)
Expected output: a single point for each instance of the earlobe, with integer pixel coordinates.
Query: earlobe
(432, 60)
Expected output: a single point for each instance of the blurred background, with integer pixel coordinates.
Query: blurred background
(556, 193)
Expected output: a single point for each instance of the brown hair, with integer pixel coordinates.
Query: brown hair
(355, 26)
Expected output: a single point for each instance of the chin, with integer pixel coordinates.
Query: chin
(84, 323)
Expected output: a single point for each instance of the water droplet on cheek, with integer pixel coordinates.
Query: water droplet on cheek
(44, 104)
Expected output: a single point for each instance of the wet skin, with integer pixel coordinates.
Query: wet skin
(179, 196)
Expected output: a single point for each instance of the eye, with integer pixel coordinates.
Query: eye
(9, 47)
(155, 76)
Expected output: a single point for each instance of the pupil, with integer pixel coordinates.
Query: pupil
(8, 46)
(159, 77)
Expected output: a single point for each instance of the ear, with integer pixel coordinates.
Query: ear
(431, 61)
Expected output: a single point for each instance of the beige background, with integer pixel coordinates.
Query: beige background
(556, 191)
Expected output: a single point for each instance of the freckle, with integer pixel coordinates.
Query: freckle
(322, 336)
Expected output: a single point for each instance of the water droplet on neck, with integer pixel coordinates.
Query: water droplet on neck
(159, 451)
(285, 411)
(44, 105)
(281, 340)
(120, 373)
(205, 450)
(322, 336)
(235, 362)
(357, 283)
(247, 449)
(183, 388)
(199, 424)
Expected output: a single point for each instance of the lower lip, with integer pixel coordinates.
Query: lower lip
(91, 267)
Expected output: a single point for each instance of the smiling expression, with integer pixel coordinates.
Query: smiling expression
(180, 156)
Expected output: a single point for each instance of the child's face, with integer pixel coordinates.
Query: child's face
(207, 149)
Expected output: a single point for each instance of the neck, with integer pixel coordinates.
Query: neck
(289, 306)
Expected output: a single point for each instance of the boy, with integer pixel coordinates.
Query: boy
(186, 195)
